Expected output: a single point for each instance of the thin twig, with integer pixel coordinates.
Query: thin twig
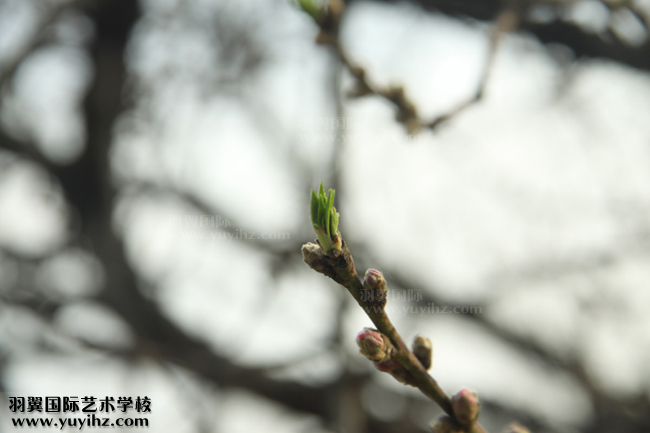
(505, 23)
(407, 112)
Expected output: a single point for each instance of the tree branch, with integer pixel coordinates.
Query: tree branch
(407, 114)
(581, 42)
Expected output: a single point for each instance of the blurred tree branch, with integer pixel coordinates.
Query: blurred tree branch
(87, 185)
(51, 14)
(583, 43)
(329, 21)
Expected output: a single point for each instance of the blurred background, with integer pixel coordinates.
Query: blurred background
(156, 158)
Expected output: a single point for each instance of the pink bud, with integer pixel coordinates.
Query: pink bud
(370, 341)
(466, 406)
(374, 286)
(375, 279)
(372, 345)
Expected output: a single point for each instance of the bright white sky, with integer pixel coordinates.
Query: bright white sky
(551, 169)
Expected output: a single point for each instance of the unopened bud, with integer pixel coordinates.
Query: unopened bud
(423, 350)
(375, 280)
(371, 344)
(445, 424)
(466, 406)
(375, 284)
(515, 428)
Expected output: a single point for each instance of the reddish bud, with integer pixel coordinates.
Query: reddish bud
(374, 346)
(466, 406)
(370, 341)
(375, 280)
